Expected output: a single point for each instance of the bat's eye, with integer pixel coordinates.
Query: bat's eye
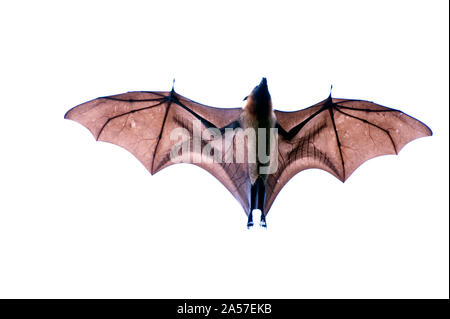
(245, 98)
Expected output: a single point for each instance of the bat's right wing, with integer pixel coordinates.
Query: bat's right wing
(143, 122)
(338, 135)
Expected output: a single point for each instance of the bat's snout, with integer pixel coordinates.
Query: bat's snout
(263, 82)
(261, 92)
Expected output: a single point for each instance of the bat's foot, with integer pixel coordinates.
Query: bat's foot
(263, 223)
(250, 221)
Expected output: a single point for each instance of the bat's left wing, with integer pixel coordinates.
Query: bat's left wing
(142, 123)
(338, 135)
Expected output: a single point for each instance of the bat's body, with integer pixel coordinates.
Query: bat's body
(336, 135)
(259, 116)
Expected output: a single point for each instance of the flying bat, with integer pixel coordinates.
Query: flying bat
(255, 150)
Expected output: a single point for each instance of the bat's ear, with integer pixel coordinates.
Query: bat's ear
(245, 98)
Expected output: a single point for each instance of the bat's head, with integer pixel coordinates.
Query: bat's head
(259, 100)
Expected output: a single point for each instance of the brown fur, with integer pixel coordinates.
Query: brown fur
(256, 116)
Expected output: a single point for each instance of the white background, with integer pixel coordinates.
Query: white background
(85, 219)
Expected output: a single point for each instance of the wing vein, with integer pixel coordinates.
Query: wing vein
(338, 141)
(129, 112)
(370, 123)
(160, 133)
(366, 110)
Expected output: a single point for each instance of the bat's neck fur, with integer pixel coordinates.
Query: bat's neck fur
(259, 110)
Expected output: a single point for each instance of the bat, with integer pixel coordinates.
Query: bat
(254, 150)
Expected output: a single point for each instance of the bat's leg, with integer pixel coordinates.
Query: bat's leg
(261, 191)
(257, 201)
(253, 198)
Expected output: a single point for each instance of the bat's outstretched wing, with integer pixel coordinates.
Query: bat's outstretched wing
(142, 123)
(338, 135)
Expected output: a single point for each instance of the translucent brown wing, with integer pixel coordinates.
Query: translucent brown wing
(338, 135)
(142, 122)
